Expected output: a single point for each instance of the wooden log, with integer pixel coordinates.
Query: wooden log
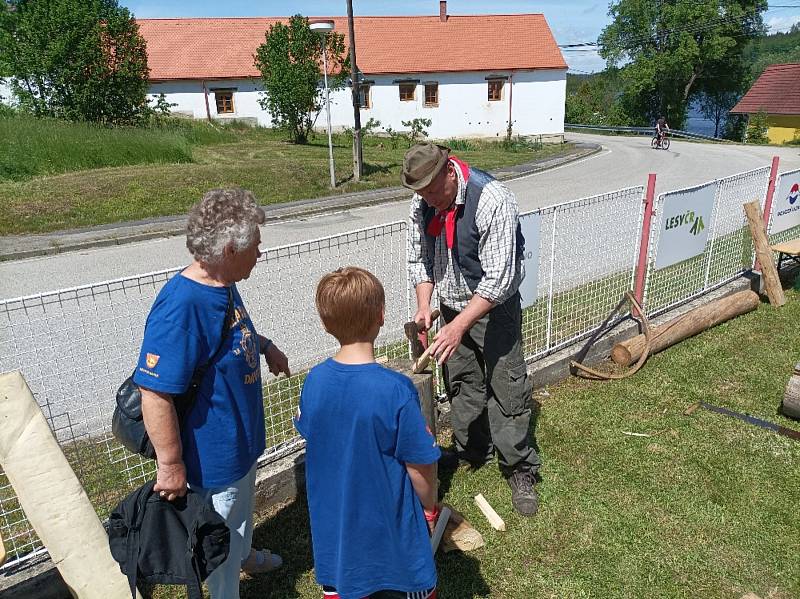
(791, 398)
(772, 282)
(686, 325)
(460, 535)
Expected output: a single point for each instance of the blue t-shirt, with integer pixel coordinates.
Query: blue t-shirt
(362, 424)
(223, 434)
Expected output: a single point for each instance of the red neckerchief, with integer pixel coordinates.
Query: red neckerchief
(447, 218)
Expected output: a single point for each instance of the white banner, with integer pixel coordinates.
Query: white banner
(786, 203)
(686, 218)
(528, 289)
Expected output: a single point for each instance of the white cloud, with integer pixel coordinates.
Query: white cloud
(782, 24)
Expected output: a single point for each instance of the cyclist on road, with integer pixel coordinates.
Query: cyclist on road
(661, 128)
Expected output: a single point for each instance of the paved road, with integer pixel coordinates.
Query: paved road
(624, 162)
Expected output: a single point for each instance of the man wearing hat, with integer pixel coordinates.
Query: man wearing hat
(465, 240)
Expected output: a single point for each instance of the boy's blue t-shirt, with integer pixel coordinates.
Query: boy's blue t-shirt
(362, 424)
(223, 434)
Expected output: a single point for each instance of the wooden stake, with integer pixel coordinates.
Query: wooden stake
(684, 326)
(772, 283)
(494, 519)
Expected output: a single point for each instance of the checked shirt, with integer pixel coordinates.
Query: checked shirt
(496, 218)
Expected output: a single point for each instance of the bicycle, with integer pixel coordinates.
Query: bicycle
(661, 143)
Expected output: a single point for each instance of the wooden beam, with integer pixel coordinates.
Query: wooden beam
(772, 283)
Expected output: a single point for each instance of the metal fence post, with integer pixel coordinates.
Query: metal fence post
(644, 243)
(773, 176)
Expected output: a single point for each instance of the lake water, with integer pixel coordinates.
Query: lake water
(697, 123)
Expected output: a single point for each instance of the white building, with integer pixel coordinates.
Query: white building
(468, 74)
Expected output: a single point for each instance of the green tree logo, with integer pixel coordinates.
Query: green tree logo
(698, 226)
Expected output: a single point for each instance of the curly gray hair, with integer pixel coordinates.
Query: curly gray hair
(222, 217)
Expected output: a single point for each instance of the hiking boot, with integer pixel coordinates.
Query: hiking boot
(523, 495)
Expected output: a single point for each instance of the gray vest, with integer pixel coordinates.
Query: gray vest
(465, 247)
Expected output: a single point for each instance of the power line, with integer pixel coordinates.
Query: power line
(697, 28)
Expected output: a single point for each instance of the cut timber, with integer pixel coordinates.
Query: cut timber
(791, 398)
(772, 283)
(460, 535)
(686, 325)
(51, 495)
(495, 521)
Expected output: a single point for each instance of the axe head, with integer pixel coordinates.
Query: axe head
(412, 334)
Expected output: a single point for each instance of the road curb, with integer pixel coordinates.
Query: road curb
(120, 234)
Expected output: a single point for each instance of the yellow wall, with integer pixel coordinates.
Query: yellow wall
(783, 128)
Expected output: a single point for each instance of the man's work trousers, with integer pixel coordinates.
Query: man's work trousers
(487, 381)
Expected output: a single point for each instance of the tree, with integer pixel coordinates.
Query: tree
(593, 99)
(757, 128)
(290, 61)
(715, 105)
(672, 50)
(74, 59)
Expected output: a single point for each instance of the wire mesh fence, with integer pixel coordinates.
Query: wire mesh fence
(76, 346)
(728, 248)
(587, 256)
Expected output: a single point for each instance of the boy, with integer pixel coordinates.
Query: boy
(369, 456)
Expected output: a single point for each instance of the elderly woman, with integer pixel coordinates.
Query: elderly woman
(215, 448)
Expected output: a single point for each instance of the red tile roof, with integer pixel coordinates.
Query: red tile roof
(224, 48)
(777, 91)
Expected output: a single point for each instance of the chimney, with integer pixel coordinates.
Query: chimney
(443, 11)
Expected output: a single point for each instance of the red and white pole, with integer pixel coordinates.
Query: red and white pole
(644, 242)
(773, 177)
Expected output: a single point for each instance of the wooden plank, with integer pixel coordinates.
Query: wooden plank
(772, 283)
(791, 247)
(495, 521)
(55, 503)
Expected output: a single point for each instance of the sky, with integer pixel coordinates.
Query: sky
(572, 21)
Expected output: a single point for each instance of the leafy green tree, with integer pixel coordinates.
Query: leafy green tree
(672, 50)
(757, 128)
(418, 129)
(290, 61)
(771, 49)
(74, 59)
(594, 100)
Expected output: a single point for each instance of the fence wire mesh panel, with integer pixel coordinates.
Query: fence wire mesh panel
(784, 200)
(587, 256)
(75, 346)
(728, 249)
(280, 299)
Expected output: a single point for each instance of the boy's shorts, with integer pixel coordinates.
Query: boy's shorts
(330, 593)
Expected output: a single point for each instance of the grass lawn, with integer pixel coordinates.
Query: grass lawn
(167, 180)
(706, 506)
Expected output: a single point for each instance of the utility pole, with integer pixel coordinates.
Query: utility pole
(358, 157)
